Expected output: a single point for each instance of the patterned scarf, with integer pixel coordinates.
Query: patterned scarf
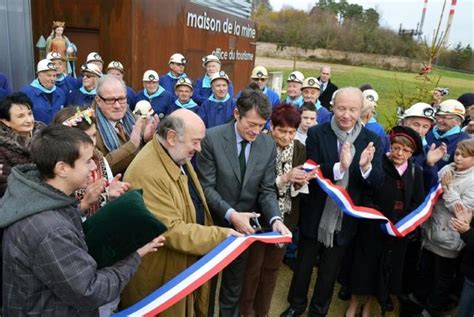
(284, 164)
(331, 219)
(100, 172)
(107, 129)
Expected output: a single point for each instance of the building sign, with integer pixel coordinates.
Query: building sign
(209, 23)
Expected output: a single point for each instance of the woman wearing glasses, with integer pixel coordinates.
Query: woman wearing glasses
(378, 257)
(84, 96)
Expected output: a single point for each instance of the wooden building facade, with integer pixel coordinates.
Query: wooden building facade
(142, 34)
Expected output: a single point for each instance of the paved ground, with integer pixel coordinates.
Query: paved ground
(279, 302)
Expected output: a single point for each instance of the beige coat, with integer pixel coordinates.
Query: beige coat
(167, 196)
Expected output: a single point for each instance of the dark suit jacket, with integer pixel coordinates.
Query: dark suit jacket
(219, 172)
(321, 147)
(326, 95)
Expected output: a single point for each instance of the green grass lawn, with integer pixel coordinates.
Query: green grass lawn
(388, 83)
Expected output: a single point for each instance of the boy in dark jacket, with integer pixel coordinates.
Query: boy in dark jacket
(46, 266)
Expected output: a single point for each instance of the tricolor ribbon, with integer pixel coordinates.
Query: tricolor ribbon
(197, 274)
(402, 228)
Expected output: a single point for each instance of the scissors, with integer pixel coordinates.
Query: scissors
(256, 224)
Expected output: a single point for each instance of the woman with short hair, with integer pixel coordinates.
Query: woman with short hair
(17, 127)
(264, 260)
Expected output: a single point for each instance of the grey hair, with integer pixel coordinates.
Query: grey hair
(106, 79)
(347, 90)
(168, 123)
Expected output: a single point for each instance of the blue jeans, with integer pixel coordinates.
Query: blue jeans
(466, 302)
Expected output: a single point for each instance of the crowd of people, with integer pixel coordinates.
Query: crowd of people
(214, 163)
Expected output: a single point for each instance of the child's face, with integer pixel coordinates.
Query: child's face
(80, 175)
(308, 119)
(461, 162)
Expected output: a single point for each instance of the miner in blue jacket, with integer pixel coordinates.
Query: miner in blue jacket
(177, 63)
(159, 98)
(63, 81)
(260, 76)
(202, 86)
(85, 95)
(184, 92)
(311, 91)
(219, 107)
(47, 99)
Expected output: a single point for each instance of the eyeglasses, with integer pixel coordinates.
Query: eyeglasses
(111, 101)
(259, 79)
(404, 150)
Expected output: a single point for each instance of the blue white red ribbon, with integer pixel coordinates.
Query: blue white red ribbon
(403, 227)
(198, 273)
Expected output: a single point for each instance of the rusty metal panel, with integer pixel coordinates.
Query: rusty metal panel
(142, 34)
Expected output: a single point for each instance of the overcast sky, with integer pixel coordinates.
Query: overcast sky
(408, 12)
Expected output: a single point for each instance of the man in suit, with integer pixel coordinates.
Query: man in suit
(351, 156)
(119, 136)
(327, 87)
(236, 168)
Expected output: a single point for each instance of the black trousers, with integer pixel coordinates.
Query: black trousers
(231, 287)
(435, 279)
(329, 266)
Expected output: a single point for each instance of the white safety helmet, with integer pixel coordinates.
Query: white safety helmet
(420, 109)
(94, 57)
(210, 58)
(177, 59)
(259, 72)
(116, 65)
(45, 65)
(150, 75)
(452, 107)
(184, 81)
(296, 77)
